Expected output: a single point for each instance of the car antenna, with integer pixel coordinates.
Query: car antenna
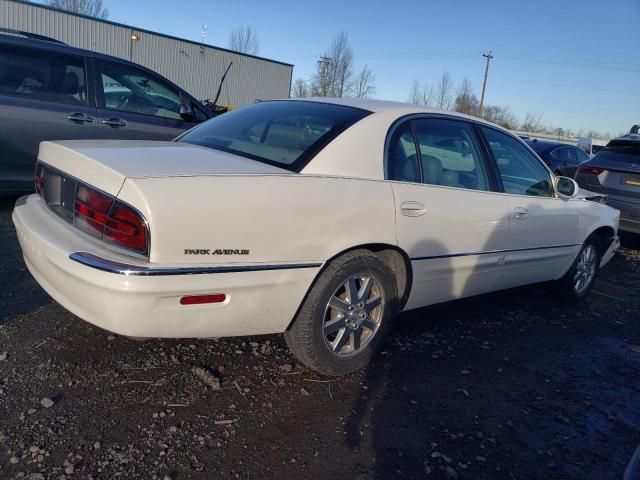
(215, 100)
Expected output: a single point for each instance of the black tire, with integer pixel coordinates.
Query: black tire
(306, 337)
(565, 288)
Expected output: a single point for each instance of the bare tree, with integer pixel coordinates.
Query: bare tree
(91, 8)
(427, 95)
(532, 123)
(466, 101)
(364, 85)
(420, 95)
(334, 70)
(341, 66)
(415, 93)
(300, 89)
(320, 82)
(244, 40)
(443, 91)
(503, 116)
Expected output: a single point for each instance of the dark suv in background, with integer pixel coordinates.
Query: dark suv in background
(562, 159)
(51, 91)
(615, 172)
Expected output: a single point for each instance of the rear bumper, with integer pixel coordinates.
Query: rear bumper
(629, 225)
(142, 299)
(629, 214)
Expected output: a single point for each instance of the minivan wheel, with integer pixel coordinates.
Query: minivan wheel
(346, 316)
(579, 280)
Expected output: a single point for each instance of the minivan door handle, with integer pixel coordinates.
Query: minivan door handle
(79, 117)
(115, 122)
(520, 212)
(412, 209)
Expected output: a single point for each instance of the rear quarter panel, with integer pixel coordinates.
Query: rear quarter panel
(276, 218)
(594, 215)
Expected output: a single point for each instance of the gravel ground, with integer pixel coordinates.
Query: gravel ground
(510, 385)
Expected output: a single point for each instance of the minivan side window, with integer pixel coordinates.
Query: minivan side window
(129, 89)
(43, 75)
(521, 171)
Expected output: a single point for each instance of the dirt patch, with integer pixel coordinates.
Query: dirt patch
(511, 385)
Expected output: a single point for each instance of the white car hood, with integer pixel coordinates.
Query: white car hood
(105, 164)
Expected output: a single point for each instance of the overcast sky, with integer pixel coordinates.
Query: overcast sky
(575, 62)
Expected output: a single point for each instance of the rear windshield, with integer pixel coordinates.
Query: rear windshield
(286, 134)
(620, 151)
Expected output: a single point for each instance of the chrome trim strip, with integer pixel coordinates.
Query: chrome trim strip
(111, 266)
(467, 254)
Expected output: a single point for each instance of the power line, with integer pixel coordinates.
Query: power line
(324, 63)
(488, 56)
(600, 65)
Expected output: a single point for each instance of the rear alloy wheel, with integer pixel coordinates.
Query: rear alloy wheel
(353, 314)
(346, 316)
(585, 269)
(578, 281)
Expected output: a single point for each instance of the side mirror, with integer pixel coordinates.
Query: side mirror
(186, 112)
(566, 187)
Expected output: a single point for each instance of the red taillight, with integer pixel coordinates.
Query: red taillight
(125, 227)
(590, 170)
(104, 217)
(200, 299)
(39, 179)
(91, 209)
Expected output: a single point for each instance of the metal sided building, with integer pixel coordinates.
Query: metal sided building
(194, 66)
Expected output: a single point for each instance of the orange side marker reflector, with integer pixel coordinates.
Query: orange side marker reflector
(200, 299)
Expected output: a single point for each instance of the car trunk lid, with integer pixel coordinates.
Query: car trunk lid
(105, 164)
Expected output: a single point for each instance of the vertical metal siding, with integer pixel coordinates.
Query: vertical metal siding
(196, 69)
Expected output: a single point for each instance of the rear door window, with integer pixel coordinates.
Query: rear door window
(562, 154)
(402, 159)
(449, 154)
(43, 75)
(582, 157)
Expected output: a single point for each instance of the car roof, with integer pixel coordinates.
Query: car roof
(629, 137)
(54, 45)
(377, 106)
(545, 145)
(16, 39)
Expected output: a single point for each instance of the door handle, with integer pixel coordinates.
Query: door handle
(412, 209)
(79, 117)
(115, 122)
(520, 212)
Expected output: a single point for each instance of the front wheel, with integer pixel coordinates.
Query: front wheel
(578, 281)
(346, 316)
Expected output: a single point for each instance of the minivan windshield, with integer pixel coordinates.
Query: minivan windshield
(286, 134)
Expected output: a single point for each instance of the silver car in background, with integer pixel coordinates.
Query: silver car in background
(615, 172)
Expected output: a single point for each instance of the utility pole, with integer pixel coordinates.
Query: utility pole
(324, 63)
(488, 56)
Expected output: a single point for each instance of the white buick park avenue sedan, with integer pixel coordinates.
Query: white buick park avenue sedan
(321, 219)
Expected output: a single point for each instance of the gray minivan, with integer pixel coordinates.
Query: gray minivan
(51, 91)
